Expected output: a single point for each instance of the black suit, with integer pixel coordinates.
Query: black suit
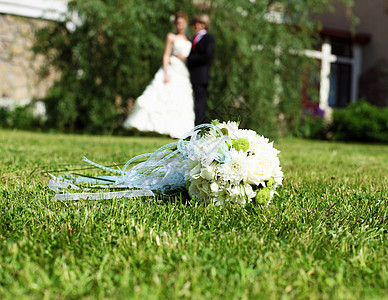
(199, 62)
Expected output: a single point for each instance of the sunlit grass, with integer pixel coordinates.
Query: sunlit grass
(323, 237)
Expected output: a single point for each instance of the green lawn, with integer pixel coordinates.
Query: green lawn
(323, 237)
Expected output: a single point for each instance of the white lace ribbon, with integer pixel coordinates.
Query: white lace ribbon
(163, 170)
(104, 196)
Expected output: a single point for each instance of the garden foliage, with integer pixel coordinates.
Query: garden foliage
(361, 121)
(311, 127)
(107, 60)
(21, 117)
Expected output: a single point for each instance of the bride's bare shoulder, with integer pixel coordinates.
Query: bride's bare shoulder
(171, 37)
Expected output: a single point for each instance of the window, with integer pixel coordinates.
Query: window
(340, 62)
(340, 83)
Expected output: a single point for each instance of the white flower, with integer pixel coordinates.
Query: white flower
(231, 127)
(261, 146)
(235, 172)
(234, 192)
(208, 172)
(227, 174)
(248, 190)
(241, 193)
(261, 168)
(214, 187)
(251, 136)
(201, 189)
(195, 172)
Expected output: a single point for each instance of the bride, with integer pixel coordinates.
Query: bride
(166, 106)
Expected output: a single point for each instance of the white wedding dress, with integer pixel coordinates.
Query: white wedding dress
(166, 108)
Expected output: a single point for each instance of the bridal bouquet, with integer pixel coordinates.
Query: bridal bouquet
(247, 169)
(215, 163)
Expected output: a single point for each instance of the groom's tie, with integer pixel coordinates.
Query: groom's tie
(195, 41)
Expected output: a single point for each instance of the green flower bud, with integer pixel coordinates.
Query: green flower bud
(224, 131)
(270, 183)
(240, 144)
(263, 196)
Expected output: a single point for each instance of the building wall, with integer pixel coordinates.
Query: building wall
(19, 79)
(373, 20)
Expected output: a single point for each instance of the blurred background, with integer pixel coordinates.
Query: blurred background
(314, 70)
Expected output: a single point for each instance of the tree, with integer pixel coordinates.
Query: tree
(109, 58)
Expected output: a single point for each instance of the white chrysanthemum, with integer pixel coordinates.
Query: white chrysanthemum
(235, 172)
(262, 147)
(251, 136)
(232, 128)
(226, 175)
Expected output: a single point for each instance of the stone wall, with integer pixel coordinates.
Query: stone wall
(19, 80)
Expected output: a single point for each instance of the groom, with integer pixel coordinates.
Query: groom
(199, 62)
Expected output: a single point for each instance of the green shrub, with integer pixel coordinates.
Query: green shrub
(312, 124)
(361, 121)
(20, 117)
(311, 127)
